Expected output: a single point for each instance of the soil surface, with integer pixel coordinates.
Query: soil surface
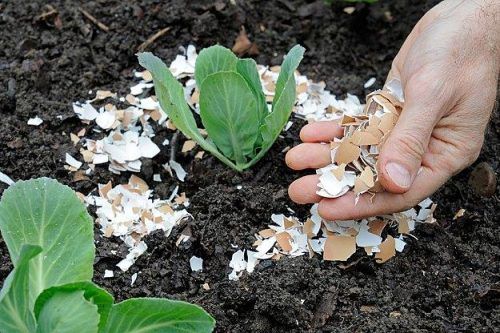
(447, 281)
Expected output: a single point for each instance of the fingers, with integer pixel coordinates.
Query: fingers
(321, 131)
(312, 154)
(426, 100)
(303, 190)
(308, 156)
(344, 208)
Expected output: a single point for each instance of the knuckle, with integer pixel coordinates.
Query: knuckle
(324, 210)
(422, 84)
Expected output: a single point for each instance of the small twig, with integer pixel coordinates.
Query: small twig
(99, 24)
(152, 38)
(173, 145)
(349, 265)
(46, 14)
(56, 103)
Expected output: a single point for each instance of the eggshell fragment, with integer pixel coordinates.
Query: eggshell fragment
(346, 152)
(283, 239)
(339, 248)
(387, 250)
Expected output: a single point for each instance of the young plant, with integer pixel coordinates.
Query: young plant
(233, 108)
(49, 235)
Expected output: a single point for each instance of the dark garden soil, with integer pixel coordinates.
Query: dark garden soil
(447, 281)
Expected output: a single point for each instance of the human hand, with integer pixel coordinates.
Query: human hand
(449, 68)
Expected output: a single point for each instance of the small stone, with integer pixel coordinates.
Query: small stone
(138, 11)
(163, 190)
(11, 88)
(27, 45)
(394, 314)
(483, 180)
(15, 144)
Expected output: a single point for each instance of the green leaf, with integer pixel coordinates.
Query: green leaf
(171, 97)
(248, 69)
(283, 101)
(46, 213)
(15, 311)
(213, 59)
(68, 312)
(152, 315)
(229, 113)
(91, 292)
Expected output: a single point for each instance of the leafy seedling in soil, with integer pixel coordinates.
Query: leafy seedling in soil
(233, 109)
(49, 235)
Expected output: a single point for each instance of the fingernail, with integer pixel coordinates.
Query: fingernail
(399, 174)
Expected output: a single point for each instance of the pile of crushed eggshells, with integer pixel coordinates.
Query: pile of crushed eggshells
(353, 167)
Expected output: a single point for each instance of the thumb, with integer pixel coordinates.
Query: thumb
(401, 155)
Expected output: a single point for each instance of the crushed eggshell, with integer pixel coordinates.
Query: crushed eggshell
(108, 273)
(357, 151)
(129, 130)
(387, 250)
(133, 278)
(196, 264)
(177, 168)
(188, 146)
(459, 213)
(36, 121)
(339, 247)
(334, 240)
(74, 138)
(6, 179)
(128, 211)
(238, 264)
(71, 161)
(370, 82)
(349, 10)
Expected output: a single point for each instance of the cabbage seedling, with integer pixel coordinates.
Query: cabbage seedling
(233, 108)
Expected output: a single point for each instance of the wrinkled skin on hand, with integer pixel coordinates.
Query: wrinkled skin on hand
(449, 68)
